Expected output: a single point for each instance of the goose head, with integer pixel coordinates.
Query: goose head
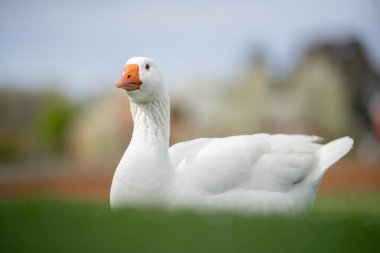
(142, 80)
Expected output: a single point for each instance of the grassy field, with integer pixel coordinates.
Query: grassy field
(336, 224)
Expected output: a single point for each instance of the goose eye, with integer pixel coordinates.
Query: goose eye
(147, 66)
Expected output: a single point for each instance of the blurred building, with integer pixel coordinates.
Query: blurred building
(343, 68)
(333, 91)
(101, 131)
(311, 101)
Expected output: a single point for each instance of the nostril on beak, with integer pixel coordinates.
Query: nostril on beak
(128, 76)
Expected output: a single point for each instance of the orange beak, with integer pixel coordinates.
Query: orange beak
(130, 79)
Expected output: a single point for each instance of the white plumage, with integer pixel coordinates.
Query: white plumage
(249, 173)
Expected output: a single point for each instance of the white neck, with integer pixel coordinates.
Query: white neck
(152, 120)
(145, 170)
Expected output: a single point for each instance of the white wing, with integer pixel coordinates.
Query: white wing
(178, 151)
(258, 162)
(291, 160)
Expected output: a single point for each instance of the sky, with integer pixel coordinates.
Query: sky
(80, 47)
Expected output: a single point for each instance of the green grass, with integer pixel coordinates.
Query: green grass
(337, 224)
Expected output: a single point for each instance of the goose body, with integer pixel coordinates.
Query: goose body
(248, 173)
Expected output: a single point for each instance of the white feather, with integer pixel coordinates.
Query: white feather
(249, 173)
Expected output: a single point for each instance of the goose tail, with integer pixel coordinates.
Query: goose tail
(331, 153)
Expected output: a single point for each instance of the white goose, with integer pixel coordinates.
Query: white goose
(251, 173)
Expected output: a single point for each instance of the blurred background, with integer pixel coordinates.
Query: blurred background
(241, 67)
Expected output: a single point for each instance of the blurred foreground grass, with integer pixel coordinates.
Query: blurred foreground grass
(336, 224)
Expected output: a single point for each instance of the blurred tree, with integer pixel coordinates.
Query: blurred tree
(17, 110)
(54, 116)
(32, 124)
